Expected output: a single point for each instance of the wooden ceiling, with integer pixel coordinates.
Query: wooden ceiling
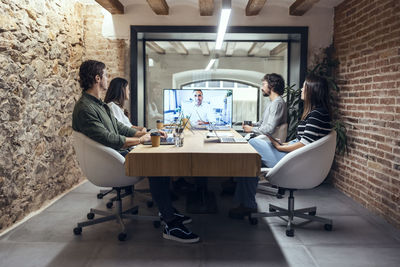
(206, 7)
(229, 49)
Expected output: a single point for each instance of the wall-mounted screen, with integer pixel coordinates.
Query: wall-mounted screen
(200, 106)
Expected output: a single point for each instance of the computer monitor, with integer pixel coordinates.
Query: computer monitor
(207, 105)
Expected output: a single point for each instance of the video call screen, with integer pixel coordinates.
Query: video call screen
(216, 103)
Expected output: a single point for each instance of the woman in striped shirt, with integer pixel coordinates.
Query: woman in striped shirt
(315, 123)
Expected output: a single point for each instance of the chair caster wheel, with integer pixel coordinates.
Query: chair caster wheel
(272, 210)
(279, 196)
(122, 237)
(149, 204)
(90, 216)
(290, 233)
(253, 221)
(99, 196)
(312, 213)
(328, 227)
(109, 205)
(78, 230)
(156, 224)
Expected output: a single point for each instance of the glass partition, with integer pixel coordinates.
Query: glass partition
(239, 66)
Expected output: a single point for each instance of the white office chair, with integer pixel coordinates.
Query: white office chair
(304, 168)
(280, 133)
(104, 167)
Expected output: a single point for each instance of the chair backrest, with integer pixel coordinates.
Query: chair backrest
(305, 167)
(281, 132)
(103, 166)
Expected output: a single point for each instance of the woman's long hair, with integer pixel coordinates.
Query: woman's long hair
(316, 94)
(116, 93)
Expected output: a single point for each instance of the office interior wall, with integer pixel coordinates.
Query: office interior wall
(42, 44)
(41, 47)
(367, 41)
(161, 75)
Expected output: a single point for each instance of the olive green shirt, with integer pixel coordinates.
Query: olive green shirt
(93, 118)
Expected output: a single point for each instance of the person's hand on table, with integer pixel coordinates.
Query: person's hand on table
(144, 138)
(141, 132)
(247, 128)
(163, 134)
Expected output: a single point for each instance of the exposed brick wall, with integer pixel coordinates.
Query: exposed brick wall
(114, 53)
(367, 41)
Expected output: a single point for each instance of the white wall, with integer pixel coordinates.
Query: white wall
(318, 19)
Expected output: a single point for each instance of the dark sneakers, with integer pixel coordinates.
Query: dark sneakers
(180, 217)
(241, 212)
(176, 231)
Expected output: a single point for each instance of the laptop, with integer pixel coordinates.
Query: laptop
(227, 139)
(219, 127)
(163, 141)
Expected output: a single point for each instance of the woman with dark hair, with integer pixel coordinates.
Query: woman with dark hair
(116, 95)
(315, 123)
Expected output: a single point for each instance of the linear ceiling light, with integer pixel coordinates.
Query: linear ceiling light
(223, 22)
(210, 64)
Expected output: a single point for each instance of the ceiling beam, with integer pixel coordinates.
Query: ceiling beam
(254, 7)
(278, 49)
(300, 7)
(160, 7)
(155, 47)
(230, 48)
(255, 48)
(204, 48)
(113, 6)
(179, 47)
(206, 7)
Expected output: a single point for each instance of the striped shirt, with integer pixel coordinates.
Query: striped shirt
(316, 125)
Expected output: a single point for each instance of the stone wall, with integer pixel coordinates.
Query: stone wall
(42, 44)
(367, 41)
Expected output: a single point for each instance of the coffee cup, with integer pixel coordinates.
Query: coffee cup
(160, 124)
(155, 139)
(247, 123)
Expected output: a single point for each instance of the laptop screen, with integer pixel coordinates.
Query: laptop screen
(200, 106)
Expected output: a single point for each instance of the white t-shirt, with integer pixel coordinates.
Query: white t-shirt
(119, 114)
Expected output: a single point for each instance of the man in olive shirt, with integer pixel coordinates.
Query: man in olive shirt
(92, 117)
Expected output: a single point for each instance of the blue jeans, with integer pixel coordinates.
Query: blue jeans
(246, 188)
(269, 154)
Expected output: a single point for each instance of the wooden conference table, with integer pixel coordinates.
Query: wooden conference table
(195, 158)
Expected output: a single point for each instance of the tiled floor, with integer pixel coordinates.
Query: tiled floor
(358, 238)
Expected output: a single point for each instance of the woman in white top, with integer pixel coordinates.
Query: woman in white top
(117, 93)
